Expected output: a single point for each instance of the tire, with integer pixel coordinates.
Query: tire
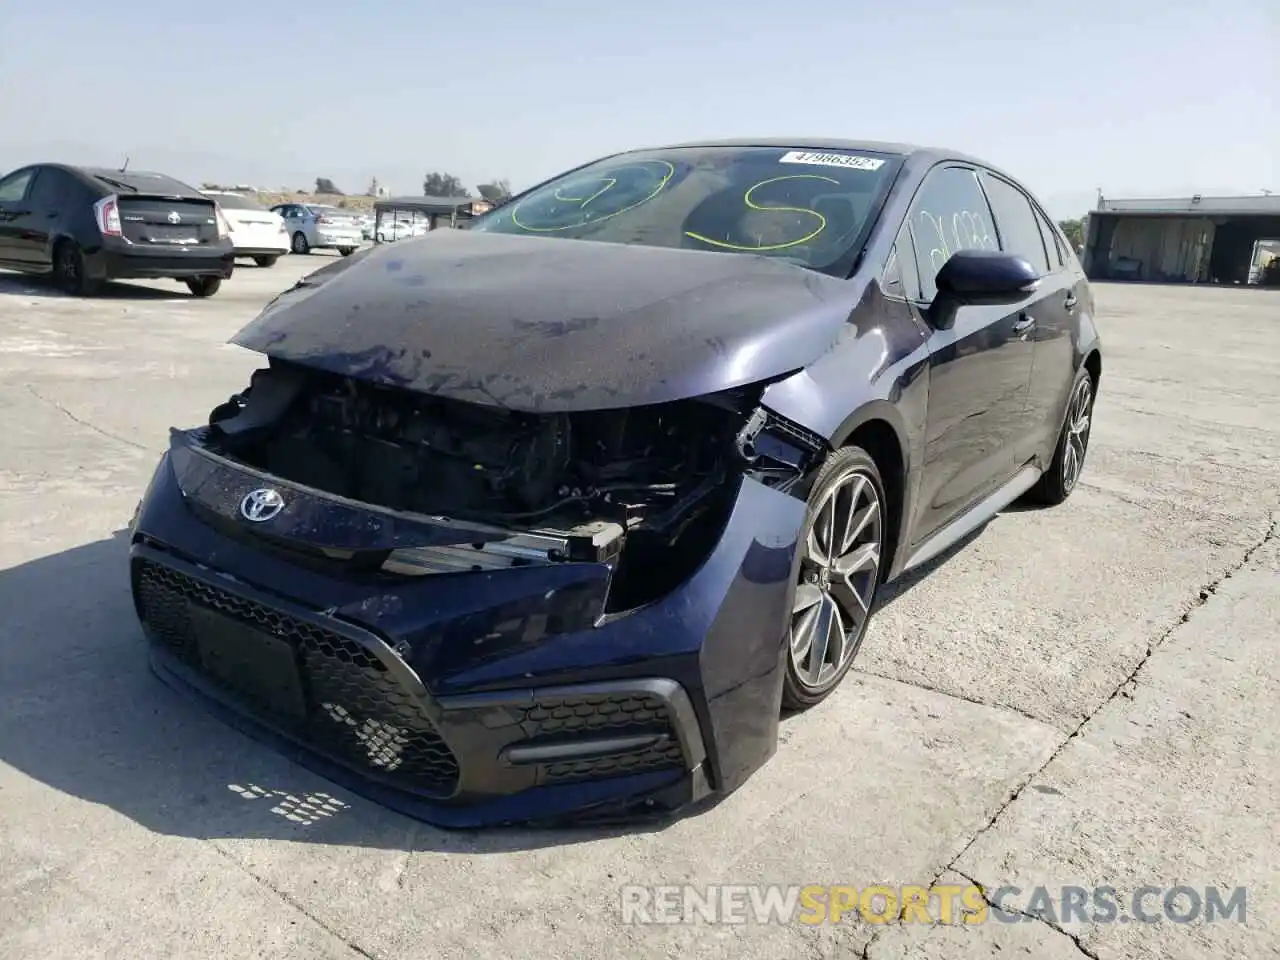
(204, 286)
(346, 251)
(299, 243)
(265, 262)
(69, 270)
(849, 491)
(1057, 483)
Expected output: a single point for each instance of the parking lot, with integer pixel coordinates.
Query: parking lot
(1080, 696)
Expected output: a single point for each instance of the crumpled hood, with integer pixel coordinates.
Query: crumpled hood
(538, 324)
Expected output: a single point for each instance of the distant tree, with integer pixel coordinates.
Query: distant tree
(495, 192)
(442, 185)
(325, 185)
(1074, 231)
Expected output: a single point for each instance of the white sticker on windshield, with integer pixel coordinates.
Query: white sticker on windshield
(832, 160)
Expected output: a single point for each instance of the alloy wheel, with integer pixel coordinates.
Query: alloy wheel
(1079, 417)
(839, 573)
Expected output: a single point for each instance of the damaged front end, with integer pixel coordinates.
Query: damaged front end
(645, 490)
(505, 613)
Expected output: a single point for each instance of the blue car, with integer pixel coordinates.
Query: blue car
(551, 518)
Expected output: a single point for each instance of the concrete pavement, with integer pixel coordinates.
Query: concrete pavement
(1079, 696)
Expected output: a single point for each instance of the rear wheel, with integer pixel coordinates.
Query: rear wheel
(204, 286)
(841, 544)
(300, 244)
(1056, 483)
(265, 261)
(69, 270)
(346, 251)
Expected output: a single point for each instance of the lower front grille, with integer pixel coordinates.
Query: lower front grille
(329, 690)
(606, 715)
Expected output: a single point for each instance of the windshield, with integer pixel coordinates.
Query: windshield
(235, 201)
(810, 207)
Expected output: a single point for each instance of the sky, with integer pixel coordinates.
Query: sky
(1136, 97)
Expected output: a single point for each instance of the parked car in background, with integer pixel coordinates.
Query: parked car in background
(86, 225)
(551, 517)
(255, 231)
(315, 226)
(403, 228)
(365, 222)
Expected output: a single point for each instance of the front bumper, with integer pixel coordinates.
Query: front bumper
(468, 699)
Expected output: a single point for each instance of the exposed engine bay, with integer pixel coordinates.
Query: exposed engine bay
(658, 477)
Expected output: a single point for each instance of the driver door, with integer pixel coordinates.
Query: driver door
(979, 369)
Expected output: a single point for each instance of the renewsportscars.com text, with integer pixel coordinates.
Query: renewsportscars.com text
(936, 903)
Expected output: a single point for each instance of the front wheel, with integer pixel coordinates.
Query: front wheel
(204, 286)
(299, 243)
(346, 251)
(1056, 483)
(265, 261)
(841, 544)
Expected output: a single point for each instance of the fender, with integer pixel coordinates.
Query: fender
(896, 394)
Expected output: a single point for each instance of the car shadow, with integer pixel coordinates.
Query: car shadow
(43, 288)
(82, 713)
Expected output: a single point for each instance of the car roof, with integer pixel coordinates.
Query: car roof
(130, 181)
(918, 154)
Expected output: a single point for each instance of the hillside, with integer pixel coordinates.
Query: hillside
(270, 199)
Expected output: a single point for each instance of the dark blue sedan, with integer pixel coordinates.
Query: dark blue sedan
(550, 518)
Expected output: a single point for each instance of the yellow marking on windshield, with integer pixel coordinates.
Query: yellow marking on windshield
(751, 204)
(671, 172)
(609, 184)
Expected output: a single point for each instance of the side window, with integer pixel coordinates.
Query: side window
(1019, 228)
(14, 187)
(900, 278)
(1052, 243)
(52, 190)
(949, 213)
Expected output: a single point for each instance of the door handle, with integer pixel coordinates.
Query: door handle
(1070, 302)
(1024, 323)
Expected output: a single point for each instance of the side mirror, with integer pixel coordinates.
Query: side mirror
(974, 278)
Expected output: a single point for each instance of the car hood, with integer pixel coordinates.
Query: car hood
(539, 324)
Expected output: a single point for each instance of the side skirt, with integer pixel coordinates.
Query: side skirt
(981, 512)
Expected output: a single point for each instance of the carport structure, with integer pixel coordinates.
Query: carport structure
(1189, 240)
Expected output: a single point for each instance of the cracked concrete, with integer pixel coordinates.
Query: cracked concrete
(1079, 696)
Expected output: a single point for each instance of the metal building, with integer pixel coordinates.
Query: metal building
(1191, 240)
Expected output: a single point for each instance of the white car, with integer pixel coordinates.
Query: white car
(400, 229)
(255, 231)
(318, 226)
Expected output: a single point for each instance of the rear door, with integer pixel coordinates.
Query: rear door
(14, 214)
(56, 202)
(979, 369)
(1041, 317)
(1055, 346)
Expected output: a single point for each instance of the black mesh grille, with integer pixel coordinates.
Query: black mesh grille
(605, 715)
(647, 760)
(356, 711)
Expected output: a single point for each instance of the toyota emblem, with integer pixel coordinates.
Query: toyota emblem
(261, 505)
(175, 216)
